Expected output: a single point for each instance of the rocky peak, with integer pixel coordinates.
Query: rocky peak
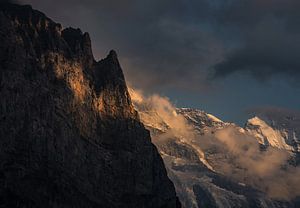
(113, 55)
(201, 119)
(79, 43)
(267, 135)
(69, 136)
(33, 25)
(25, 14)
(110, 87)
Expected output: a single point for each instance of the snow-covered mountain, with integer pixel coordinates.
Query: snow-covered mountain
(219, 164)
(279, 131)
(266, 135)
(276, 127)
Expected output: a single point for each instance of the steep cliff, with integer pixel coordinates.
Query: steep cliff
(69, 135)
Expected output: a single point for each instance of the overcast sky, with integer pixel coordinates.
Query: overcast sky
(222, 56)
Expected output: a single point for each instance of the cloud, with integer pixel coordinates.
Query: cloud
(268, 50)
(160, 112)
(160, 43)
(239, 155)
(269, 39)
(179, 44)
(266, 170)
(157, 112)
(9, 1)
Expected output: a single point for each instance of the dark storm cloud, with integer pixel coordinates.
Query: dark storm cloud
(269, 36)
(8, 1)
(175, 43)
(166, 43)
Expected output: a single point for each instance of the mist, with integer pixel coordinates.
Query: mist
(268, 169)
(161, 110)
(246, 162)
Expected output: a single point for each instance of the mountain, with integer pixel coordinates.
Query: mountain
(266, 135)
(69, 135)
(219, 164)
(276, 127)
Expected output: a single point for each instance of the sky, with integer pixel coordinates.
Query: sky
(222, 56)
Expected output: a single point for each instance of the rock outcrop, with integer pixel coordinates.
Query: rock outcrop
(69, 135)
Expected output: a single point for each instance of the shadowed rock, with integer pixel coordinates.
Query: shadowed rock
(69, 135)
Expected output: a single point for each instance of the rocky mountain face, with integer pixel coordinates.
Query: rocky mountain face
(224, 189)
(69, 135)
(285, 129)
(276, 128)
(219, 164)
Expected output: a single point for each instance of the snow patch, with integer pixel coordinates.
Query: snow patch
(215, 119)
(266, 134)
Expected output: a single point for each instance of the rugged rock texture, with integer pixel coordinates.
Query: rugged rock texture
(69, 135)
(207, 173)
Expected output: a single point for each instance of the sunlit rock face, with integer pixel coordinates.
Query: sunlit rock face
(280, 129)
(219, 164)
(266, 135)
(69, 135)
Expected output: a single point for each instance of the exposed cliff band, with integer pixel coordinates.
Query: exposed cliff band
(69, 135)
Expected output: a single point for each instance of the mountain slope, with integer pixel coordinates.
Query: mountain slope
(218, 164)
(69, 135)
(286, 126)
(266, 135)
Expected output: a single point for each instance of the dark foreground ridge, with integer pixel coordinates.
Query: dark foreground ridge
(69, 135)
